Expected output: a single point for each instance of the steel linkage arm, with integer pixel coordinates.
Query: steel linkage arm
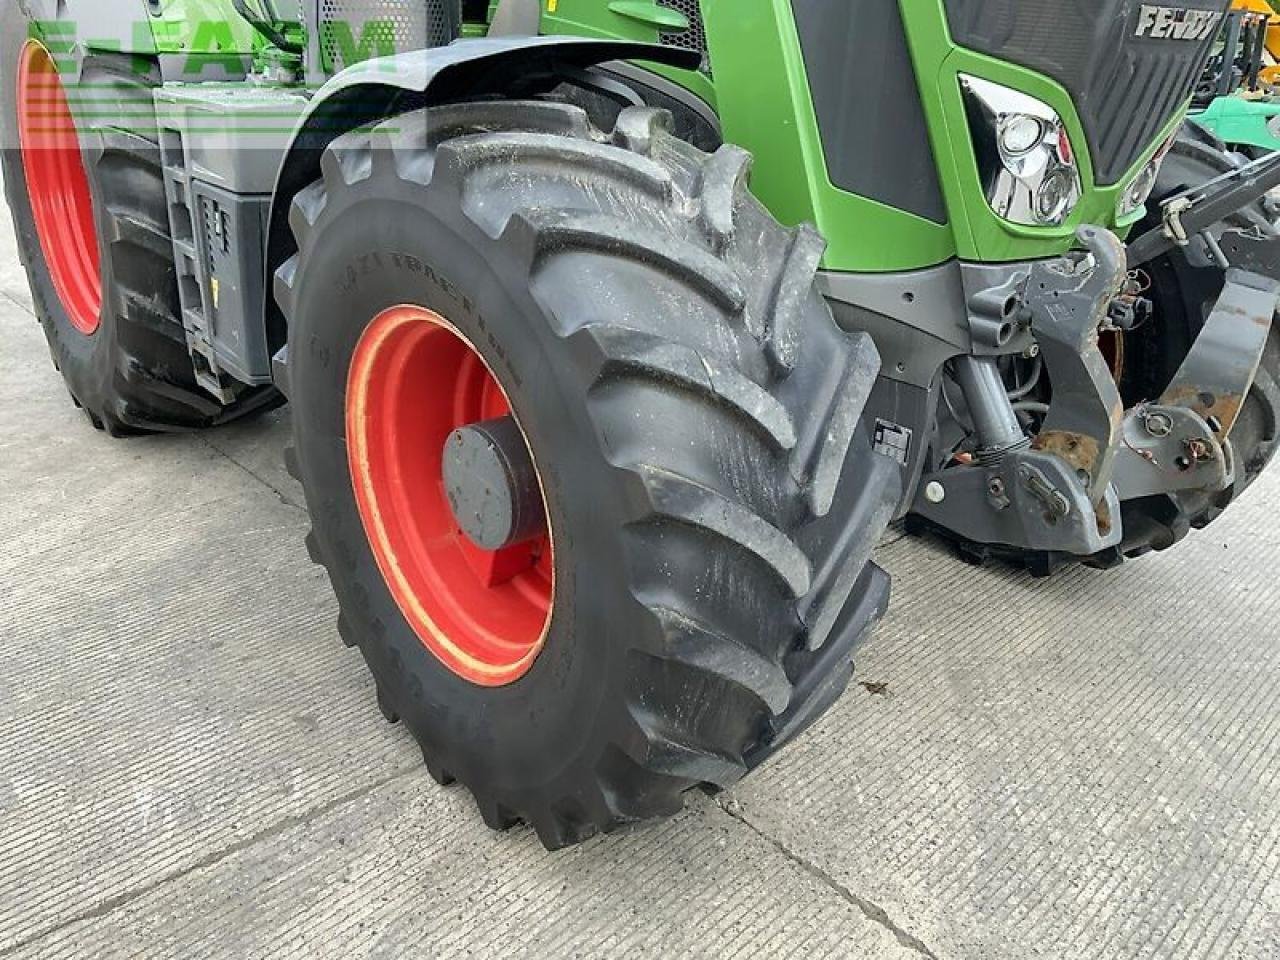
(1193, 212)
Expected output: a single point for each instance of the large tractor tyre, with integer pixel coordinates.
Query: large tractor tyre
(89, 210)
(1183, 294)
(654, 448)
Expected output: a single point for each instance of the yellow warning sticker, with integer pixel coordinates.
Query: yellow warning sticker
(551, 5)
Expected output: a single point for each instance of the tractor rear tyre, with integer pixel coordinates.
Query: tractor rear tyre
(643, 561)
(88, 204)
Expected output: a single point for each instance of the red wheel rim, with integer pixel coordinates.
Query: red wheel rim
(414, 379)
(61, 202)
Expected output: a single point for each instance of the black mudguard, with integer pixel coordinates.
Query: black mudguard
(375, 89)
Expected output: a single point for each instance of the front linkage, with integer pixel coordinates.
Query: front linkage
(1063, 492)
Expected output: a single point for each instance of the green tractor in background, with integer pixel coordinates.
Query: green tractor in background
(615, 332)
(1236, 99)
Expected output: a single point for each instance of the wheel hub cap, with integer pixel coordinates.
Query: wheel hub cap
(427, 425)
(491, 484)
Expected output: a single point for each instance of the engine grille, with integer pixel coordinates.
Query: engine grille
(695, 38)
(355, 30)
(1126, 88)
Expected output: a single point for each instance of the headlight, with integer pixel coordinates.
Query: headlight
(1025, 156)
(1020, 134)
(1139, 191)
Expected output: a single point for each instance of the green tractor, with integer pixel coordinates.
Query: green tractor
(616, 332)
(1235, 100)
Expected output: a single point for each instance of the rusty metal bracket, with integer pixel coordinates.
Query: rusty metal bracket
(1181, 442)
(1167, 450)
(1029, 500)
(1069, 299)
(1216, 375)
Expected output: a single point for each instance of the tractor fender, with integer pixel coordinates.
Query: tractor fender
(369, 91)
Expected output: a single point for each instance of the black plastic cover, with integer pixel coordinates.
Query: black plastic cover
(1127, 79)
(870, 116)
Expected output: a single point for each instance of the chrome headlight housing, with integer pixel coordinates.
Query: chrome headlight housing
(1138, 192)
(1025, 157)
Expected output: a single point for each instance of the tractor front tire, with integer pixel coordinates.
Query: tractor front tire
(85, 188)
(693, 417)
(1183, 294)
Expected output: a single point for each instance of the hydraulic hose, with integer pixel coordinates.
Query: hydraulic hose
(265, 26)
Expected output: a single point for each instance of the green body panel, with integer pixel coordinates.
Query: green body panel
(761, 94)
(1242, 123)
(979, 233)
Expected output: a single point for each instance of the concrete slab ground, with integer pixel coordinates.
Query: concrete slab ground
(192, 765)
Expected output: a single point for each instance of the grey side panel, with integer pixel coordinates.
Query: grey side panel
(900, 420)
(221, 148)
(868, 103)
(918, 320)
(214, 68)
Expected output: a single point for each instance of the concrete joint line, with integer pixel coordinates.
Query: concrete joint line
(869, 909)
(22, 305)
(279, 494)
